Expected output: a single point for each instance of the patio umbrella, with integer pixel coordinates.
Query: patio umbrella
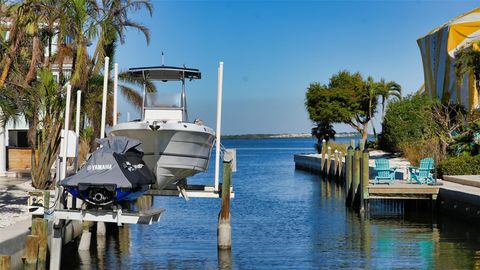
(438, 50)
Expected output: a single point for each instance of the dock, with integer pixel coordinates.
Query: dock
(355, 172)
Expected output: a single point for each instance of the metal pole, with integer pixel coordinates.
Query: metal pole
(77, 125)
(104, 99)
(219, 123)
(143, 95)
(115, 90)
(63, 171)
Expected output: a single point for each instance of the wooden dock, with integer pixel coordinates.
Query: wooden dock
(402, 190)
(354, 170)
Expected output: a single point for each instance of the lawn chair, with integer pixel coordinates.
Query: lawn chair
(384, 172)
(421, 174)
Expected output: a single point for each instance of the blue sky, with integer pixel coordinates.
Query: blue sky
(273, 50)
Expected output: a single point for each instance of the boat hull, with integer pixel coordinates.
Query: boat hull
(172, 151)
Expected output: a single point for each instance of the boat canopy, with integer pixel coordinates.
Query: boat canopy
(166, 73)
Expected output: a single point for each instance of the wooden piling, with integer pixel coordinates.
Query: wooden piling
(335, 164)
(329, 160)
(224, 230)
(5, 261)
(40, 229)
(361, 144)
(31, 252)
(356, 177)
(340, 166)
(324, 149)
(365, 179)
(348, 174)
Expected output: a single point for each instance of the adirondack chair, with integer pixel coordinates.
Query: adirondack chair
(384, 171)
(421, 174)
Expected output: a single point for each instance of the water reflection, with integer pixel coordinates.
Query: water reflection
(224, 259)
(284, 219)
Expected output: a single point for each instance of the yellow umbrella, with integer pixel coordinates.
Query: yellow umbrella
(438, 50)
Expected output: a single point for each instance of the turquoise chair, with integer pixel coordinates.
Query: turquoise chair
(384, 172)
(422, 174)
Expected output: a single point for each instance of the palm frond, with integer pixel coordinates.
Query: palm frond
(127, 77)
(132, 96)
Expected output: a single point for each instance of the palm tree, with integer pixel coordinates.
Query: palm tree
(385, 90)
(114, 22)
(27, 86)
(468, 62)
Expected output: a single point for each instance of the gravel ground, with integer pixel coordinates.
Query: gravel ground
(13, 200)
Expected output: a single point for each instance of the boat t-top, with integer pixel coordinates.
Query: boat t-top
(174, 148)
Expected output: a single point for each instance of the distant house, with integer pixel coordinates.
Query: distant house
(438, 49)
(15, 151)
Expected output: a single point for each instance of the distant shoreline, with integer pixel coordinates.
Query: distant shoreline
(287, 136)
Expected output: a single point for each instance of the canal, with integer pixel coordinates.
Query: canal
(282, 219)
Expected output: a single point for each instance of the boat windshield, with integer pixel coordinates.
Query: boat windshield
(163, 99)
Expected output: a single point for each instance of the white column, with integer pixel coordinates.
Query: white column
(115, 90)
(63, 169)
(3, 159)
(219, 124)
(77, 126)
(104, 99)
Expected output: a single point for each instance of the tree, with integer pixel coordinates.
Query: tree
(387, 90)
(468, 62)
(409, 121)
(115, 20)
(27, 86)
(348, 99)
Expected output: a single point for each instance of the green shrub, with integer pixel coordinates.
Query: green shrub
(407, 121)
(461, 165)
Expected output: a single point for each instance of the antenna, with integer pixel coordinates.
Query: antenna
(163, 59)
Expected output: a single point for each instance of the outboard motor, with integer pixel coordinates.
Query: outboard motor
(114, 172)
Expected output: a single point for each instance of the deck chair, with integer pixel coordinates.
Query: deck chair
(384, 171)
(422, 174)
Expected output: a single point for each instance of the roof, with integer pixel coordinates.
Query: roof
(166, 73)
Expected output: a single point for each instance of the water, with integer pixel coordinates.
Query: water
(283, 218)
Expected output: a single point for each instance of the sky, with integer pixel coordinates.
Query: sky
(273, 50)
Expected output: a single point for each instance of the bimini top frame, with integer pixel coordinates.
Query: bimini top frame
(164, 74)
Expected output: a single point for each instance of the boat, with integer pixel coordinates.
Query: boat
(114, 173)
(174, 147)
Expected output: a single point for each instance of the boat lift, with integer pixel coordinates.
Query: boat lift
(65, 206)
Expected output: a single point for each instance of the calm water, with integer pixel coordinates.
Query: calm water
(282, 219)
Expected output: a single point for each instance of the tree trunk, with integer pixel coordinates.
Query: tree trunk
(32, 71)
(364, 132)
(16, 36)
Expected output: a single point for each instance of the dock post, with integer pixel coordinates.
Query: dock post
(356, 177)
(31, 252)
(365, 180)
(101, 230)
(86, 236)
(348, 173)
(340, 165)
(324, 148)
(224, 230)
(329, 161)
(5, 261)
(335, 166)
(40, 229)
(361, 144)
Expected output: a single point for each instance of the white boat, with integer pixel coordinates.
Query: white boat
(174, 148)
